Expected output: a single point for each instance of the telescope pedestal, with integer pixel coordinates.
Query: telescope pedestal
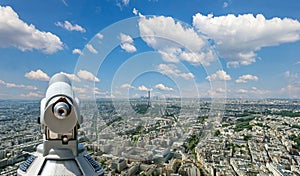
(60, 120)
(60, 161)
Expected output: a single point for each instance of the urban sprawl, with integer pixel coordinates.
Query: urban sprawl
(169, 136)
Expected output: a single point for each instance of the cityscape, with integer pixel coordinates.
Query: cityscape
(150, 88)
(170, 137)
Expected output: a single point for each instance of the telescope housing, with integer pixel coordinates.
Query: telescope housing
(60, 119)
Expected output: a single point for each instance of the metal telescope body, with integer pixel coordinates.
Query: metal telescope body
(60, 153)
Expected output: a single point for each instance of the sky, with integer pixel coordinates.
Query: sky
(124, 48)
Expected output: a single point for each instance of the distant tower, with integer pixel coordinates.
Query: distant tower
(94, 126)
(149, 98)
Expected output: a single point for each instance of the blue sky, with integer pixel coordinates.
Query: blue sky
(196, 48)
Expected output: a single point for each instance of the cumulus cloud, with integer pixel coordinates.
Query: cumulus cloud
(237, 38)
(127, 43)
(220, 75)
(135, 11)
(168, 28)
(126, 86)
(125, 38)
(37, 75)
(245, 78)
(204, 58)
(97, 91)
(128, 47)
(143, 88)
(91, 49)
(31, 95)
(242, 91)
(70, 27)
(253, 92)
(72, 77)
(16, 33)
(86, 75)
(171, 69)
(174, 41)
(77, 51)
(163, 87)
(13, 85)
(99, 36)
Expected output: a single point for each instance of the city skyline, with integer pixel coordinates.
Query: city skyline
(252, 48)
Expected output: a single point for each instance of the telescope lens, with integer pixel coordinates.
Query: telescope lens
(61, 110)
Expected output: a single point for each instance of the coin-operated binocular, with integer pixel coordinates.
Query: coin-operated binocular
(60, 119)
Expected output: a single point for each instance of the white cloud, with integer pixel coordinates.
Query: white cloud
(99, 36)
(135, 11)
(37, 75)
(13, 85)
(143, 88)
(136, 96)
(225, 4)
(79, 90)
(121, 3)
(126, 86)
(77, 51)
(174, 41)
(125, 38)
(91, 49)
(87, 92)
(186, 75)
(204, 58)
(221, 90)
(290, 75)
(86, 75)
(127, 43)
(237, 38)
(163, 87)
(242, 91)
(31, 95)
(217, 93)
(70, 27)
(170, 54)
(220, 75)
(287, 74)
(168, 28)
(97, 91)
(253, 92)
(72, 77)
(171, 69)
(291, 90)
(245, 78)
(125, 2)
(128, 47)
(16, 33)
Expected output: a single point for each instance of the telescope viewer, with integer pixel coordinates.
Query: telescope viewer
(60, 119)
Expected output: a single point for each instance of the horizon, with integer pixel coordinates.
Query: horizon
(168, 98)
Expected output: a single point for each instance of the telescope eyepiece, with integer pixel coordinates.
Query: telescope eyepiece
(61, 110)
